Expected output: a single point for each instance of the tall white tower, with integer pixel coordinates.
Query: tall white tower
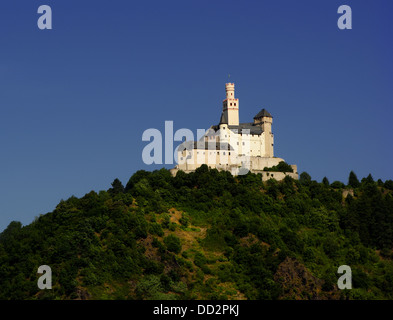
(230, 106)
(265, 120)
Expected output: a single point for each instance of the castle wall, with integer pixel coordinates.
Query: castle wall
(216, 159)
(278, 175)
(244, 144)
(259, 163)
(190, 160)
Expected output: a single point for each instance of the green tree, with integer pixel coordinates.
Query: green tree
(337, 185)
(305, 178)
(388, 184)
(117, 187)
(173, 244)
(184, 220)
(13, 229)
(353, 180)
(369, 179)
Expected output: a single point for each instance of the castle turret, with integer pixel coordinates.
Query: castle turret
(230, 106)
(265, 120)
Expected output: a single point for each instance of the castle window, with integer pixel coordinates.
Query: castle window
(234, 104)
(243, 143)
(231, 104)
(224, 153)
(229, 153)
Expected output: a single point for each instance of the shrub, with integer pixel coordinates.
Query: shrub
(165, 221)
(281, 167)
(156, 229)
(172, 243)
(172, 226)
(184, 220)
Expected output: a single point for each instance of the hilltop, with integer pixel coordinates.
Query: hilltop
(207, 235)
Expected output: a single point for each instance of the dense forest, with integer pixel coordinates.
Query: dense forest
(207, 235)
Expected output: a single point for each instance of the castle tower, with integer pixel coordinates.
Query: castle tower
(230, 106)
(265, 120)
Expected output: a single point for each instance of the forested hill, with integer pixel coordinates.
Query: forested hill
(207, 235)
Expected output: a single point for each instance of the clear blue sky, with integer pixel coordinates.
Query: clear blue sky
(75, 100)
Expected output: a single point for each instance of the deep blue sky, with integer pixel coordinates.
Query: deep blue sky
(75, 100)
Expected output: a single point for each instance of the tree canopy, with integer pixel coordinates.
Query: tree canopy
(207, 235)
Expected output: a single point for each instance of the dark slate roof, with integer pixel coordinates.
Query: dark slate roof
(210, 132)
(254, 129)
(190, 145)
(223, 119)
(263, 113)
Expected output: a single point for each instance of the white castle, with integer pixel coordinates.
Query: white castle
(233, 146)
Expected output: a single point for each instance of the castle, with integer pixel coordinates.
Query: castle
(233, 146)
